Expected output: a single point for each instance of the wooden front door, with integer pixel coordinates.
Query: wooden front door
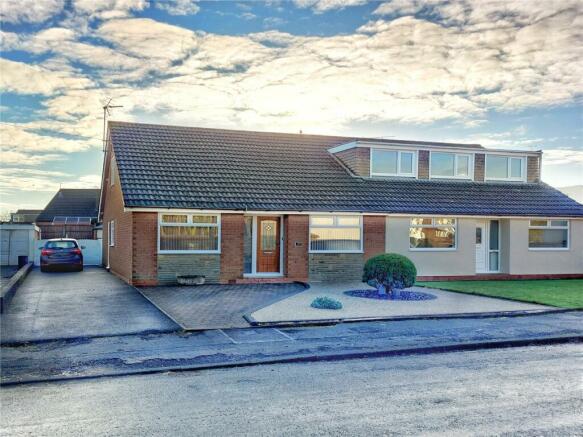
(268, 244)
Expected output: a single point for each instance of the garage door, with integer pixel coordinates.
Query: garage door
(14, 244)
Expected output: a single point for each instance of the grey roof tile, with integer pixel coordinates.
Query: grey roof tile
(184, 167)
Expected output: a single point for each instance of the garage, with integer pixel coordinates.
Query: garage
(17, 240)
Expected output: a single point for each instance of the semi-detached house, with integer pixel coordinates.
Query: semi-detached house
(241, 206)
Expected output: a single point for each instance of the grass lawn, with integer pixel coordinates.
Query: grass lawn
(563, 293)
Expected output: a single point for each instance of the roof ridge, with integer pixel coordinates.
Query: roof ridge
(295, 134)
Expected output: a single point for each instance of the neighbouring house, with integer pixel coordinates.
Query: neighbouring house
(240, 206)
(71, 213)
(25, 215)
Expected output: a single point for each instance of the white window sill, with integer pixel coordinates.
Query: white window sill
(549, 249)
(263, 275)
(336, 251)
(429, 249)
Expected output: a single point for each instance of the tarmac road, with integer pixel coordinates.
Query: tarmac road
(529, 391)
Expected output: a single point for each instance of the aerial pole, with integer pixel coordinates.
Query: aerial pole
(107, 111)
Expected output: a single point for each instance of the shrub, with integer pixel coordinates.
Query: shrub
(391, 271)
(326, 303)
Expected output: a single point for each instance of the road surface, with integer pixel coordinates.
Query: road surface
(532, 390)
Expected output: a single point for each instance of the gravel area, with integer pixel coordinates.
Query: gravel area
(297, 307)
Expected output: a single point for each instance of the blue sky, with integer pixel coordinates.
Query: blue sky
(503, 74)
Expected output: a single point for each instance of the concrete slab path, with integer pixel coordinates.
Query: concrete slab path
(78, 304)
(297, 307)
(134, 354)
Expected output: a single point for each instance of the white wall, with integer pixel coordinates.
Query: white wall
(17, 240)
(91, 252)
(525, 261)
(461, 261)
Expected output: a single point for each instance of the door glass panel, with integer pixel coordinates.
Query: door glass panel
(494, 261)
(248, 245)
(268, 235)
(494, 224)
(478, 235)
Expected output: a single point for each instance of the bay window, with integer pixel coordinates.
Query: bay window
(189, 233)
(335, 233)
(392, 163)
(432, 234)
(450, 165)
(505, 168)
(548, 234)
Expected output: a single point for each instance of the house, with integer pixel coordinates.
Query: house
(239, 206)
(71, 213)
(25, 215)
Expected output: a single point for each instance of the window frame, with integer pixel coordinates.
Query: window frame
(399, 173)
(112, 172)
(549, 226)
(336, 225)
(190, 223)
(469, 177)
(433, 225)
(111, 233)
(523, 167)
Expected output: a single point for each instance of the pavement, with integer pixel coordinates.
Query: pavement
(135, 354)
(216, 306)
(90, 303)
(297, 307)
(519, 391)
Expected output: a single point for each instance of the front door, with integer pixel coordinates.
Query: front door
(480, 247)
(268, 244)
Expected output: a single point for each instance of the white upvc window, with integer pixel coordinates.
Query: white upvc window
(335, 234)
(505, 168)
(432, 233)
(385, 162)
(112, 172)
(548, 234)
(448, 165)
(111, 233)
(189, 233)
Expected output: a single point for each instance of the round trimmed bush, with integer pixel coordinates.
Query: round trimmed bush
(326, 303)
(391, 271)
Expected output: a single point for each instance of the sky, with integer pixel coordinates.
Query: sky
(499, 73)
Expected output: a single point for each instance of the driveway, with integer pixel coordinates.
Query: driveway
(78, 304)
(216, 306)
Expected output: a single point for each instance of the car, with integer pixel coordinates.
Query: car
(61, 253)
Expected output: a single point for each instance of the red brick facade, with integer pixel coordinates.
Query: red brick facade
(357, 160)
(232, 230)
(145, 248)
(374, 235)
(296, 228)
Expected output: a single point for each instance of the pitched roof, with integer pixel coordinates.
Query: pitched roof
(200, 168)
(69, 202)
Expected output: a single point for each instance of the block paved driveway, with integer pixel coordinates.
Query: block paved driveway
(91, 303)
(216, 306)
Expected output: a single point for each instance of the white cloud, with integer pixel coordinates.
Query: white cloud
(33, 79)
(25, 180)
(18, 137)
(29, 11)
(107, 9)
(179, 7)
(320, 6)
(8, 157)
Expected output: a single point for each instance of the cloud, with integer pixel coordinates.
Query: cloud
(24, 78)
(26, 180)
(179, 7)
(320, 6)
(563, 156)
(8, 157)
(18, 137)
(108, 9)
(29, 11)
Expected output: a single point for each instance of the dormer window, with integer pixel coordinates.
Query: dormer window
(450, 165)
(393, 163)
(505, 168)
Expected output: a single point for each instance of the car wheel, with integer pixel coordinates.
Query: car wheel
(80, 268)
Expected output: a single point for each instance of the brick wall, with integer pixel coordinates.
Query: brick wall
(145, 248)
(357, 160)
(374, 235)
(336, 267)
(232, 230)
(479, 167)
(171, 265)
(423, 166)
(532, 169)
(296, 228)
(120, 256)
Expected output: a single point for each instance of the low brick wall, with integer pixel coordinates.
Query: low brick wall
(208, 265)
(336, 267)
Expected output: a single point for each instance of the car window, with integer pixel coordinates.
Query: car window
(60, 245)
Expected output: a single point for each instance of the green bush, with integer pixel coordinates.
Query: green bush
(391, 271)
(326, 303)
